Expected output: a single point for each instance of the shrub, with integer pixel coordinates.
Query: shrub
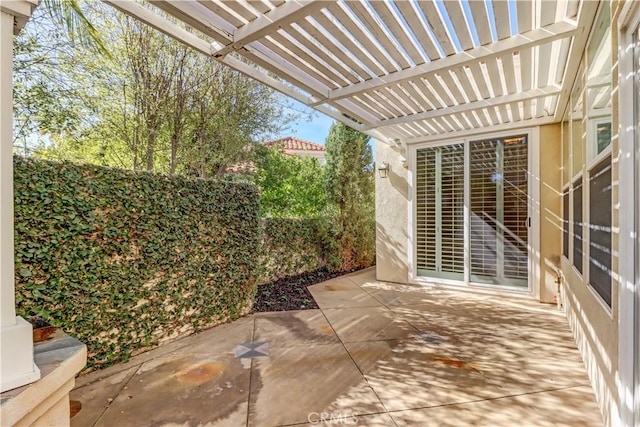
(293, 246)
(124, 260)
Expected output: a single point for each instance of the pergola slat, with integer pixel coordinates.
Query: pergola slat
(389, 49)
(269, 23)
(410, 15)
(548, 10)
(494, 76)
(306, 40)
(524, 10)
(453, 87)
(444, 98)
(348, 43)
(439, 30)
(425, 93)
(481, 21)
(259, 6)
(237, 7)
(286, 54)
(334, 50)
(478, 77)
(317, 63)
(459, 21)
(509, 71)
(465, 84)
(407, 97)
(220, 10)
(358, 34)
(502, 20)
(384, 11)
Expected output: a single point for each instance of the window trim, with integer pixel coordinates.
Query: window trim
(534, 280)
(566, 190)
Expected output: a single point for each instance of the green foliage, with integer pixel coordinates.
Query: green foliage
(349, 183)
(124, 260)
(290, 186)
(292, 246)
(154, 105)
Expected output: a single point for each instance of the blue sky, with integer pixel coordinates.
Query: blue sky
(315, 130)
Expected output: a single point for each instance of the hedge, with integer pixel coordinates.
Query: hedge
(124, 260)
(297, 245)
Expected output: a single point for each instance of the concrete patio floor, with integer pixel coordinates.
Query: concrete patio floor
(374, 354)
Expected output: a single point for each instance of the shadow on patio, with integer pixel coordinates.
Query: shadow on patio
(374, 354)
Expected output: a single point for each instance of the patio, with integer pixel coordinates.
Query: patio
(374, 354)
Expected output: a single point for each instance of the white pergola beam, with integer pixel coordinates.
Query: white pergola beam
(587, 15)
(475, 105)
(270, 22)
(141, 13)
(514, 126)
(555, 31)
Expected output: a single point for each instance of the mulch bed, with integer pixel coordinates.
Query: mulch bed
(291, 293)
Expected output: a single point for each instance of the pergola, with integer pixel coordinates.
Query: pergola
(401, 71)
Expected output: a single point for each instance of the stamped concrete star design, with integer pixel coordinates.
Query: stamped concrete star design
(431, 337)
(252, 349)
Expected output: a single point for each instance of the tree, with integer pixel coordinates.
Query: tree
(349, 184)
(154, 104)
(290, 186)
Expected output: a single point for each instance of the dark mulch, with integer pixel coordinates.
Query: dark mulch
(291, 293)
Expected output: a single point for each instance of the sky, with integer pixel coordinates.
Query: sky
(315, 130)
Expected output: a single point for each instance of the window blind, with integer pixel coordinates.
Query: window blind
(600, 229)
(440, 211)
(577, 224)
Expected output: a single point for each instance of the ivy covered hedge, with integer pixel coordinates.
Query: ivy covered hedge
(297, 245)
(123, 260)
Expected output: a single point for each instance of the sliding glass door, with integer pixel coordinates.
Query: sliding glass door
(499, 211)
(440, 212)
(472, 214)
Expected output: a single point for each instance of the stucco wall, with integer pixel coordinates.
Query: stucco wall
(392, 255)
(550, 208)
(595, 327)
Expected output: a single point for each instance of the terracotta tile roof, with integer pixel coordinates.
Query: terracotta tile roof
(293, 143)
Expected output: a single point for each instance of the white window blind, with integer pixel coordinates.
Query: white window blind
(440, 211)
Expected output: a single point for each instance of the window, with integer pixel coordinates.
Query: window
(598, 100)
(577, 224)
(565, 223)
(600, 229)
(602, 135)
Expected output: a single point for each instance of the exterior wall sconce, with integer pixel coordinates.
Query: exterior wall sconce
(383, 170)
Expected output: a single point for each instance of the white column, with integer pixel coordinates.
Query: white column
(16, 343)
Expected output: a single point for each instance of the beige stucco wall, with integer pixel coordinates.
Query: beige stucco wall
(392, 254)
(550, 208)
(595, 327)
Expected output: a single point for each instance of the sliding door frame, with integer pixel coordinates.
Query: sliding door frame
(533, 288)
